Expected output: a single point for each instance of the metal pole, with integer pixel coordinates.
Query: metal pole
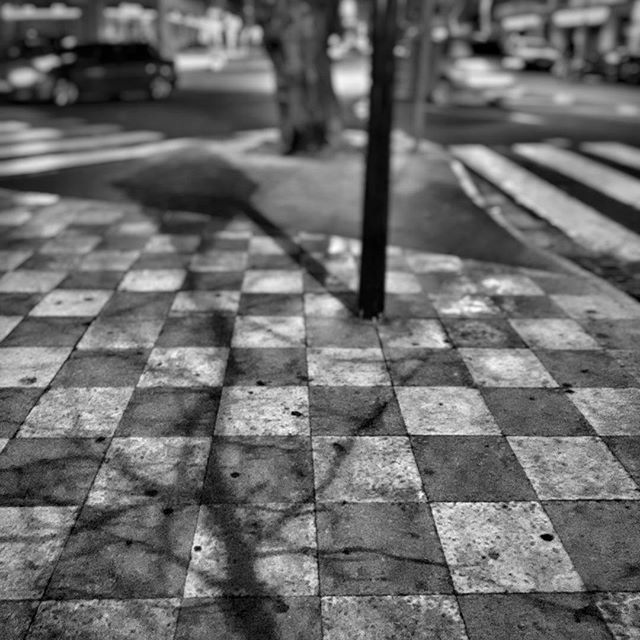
(376, 191)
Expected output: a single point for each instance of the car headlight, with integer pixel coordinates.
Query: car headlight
(23, 77)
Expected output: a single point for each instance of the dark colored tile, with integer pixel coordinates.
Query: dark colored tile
(535, 412)
(345, 411)
(92, 280)
(445, 282)
(261, 469)
(408, 306)
(123, 243)
(379, 549)
(427, 368)
(338, 332)
(212, 242)
(137, 552)
(585, 369)
(156, 412)
(572, 285)
(601, 537)
(290, 618)
(132, 305)
(7, 243)
(163, 261)
(41, 331)
(470, 469)
(52, 261)
(614, 334)
(15, 618)
(488, 332)
(628, 359)
(270, 304)
(627, 450)
(267, 261)
(15, 405)
(45, 471)
(213, 281)
(197, 331)
(270, 367)
(18, 304)
(549, 616)
(529, 307)
(121, 368)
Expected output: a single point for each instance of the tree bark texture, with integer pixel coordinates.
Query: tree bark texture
(296, 35)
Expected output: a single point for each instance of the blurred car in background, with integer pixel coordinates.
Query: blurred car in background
(617, 65)
(88, 71)
(530, 53)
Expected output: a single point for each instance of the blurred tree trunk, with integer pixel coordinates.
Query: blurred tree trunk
(296, 35)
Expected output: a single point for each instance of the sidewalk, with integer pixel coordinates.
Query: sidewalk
(199, 439)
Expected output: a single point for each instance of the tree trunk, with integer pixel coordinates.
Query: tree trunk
(295, 37)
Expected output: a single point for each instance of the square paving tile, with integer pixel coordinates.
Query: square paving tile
(494, 547)
(173, 243)
(400, 282)
(627, 450)
(36, 472)
(76, 413)
(137, 552)
(67, 302)
(252, 550)
(51, 262)
(615, 334)
(103, 280)
(143, 470)
(408, 305)
(427, 367)
(469, 469)
(32, 539)
(185, 367)
(535, 412)
(466, 306)
(134, 306)
(201, 330)
(213, 281)
(621, 612)
(537, 616)
(10, 260)
(120, 333)
(371, 469)
(601, 538)
(414, 617)
(413, 333)
(339, 332)
(510, 285)
(15, 618)
(238, 618)
(529, 307)
(30, 366)
(219, 260)
(153, 280)
(7, 325)
(120, 368)
(190, 302)
(506, 368)
(263, 411)
(102, 260)
(575, 468)
(327, 305)
(628, 359)
(47, 332)
(18, 304)
(31, 281)
(597, 307)
(611, 412)
(553, 333)
(379, 549)
(445, 411)
(482, 332)
(71, 243)
(336, 367)
(114, 619)
(270, 304)
(346, 411)
(161, 411)
(15, 405)
(266, 367)
(272, 281)
(585, 368)
(268, 331)
(241, 470)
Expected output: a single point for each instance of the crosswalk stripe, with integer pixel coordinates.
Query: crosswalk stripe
(54, 133)
(12, 125)
(22, 149)
(611, 182)
(56, 162)
(575, 219)
(619, 153)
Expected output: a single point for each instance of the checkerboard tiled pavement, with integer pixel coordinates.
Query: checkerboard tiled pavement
(200, 441)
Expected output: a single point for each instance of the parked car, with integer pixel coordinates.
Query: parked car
(618, 65)
(472, 72)
(88, 71)
(531, 53)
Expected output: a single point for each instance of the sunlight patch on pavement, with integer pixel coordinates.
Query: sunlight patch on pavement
(616, 151)
(12, 125)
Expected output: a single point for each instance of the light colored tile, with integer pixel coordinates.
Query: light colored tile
(352, 367)
(400, 282)
(187, 302)
(31, 281)
(553, 333)
(325, 305)
(8, 324)
(153, 280)
(101, 619)
(72, 303)
(573, 468)
(263, 411)
(121, 333)
(433, 262)
(510, 285)
(506, 368)
(172, 243)
(611, 412)
(466, 306)
(30, 366)
(15, 217)
(76, 413)
(371, 469)
(392, 618)
(32, 540)
(10, 260)
(494, 547)
(268, 331)
(40, 228)
(137, 470)
(108, 260)
(266, 245)
(219, 261)
(621, 612)
(454, 411)
(428, 334)
(135, 228)
(272, 281)
(185, 367)
(281, 561)
(74, 243)
(3, 443)
(597, 306)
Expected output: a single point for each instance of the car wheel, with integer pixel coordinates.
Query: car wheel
(64, 92)
(160, 88)
(442, 93)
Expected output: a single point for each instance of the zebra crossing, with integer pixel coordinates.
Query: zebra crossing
(607, 170)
